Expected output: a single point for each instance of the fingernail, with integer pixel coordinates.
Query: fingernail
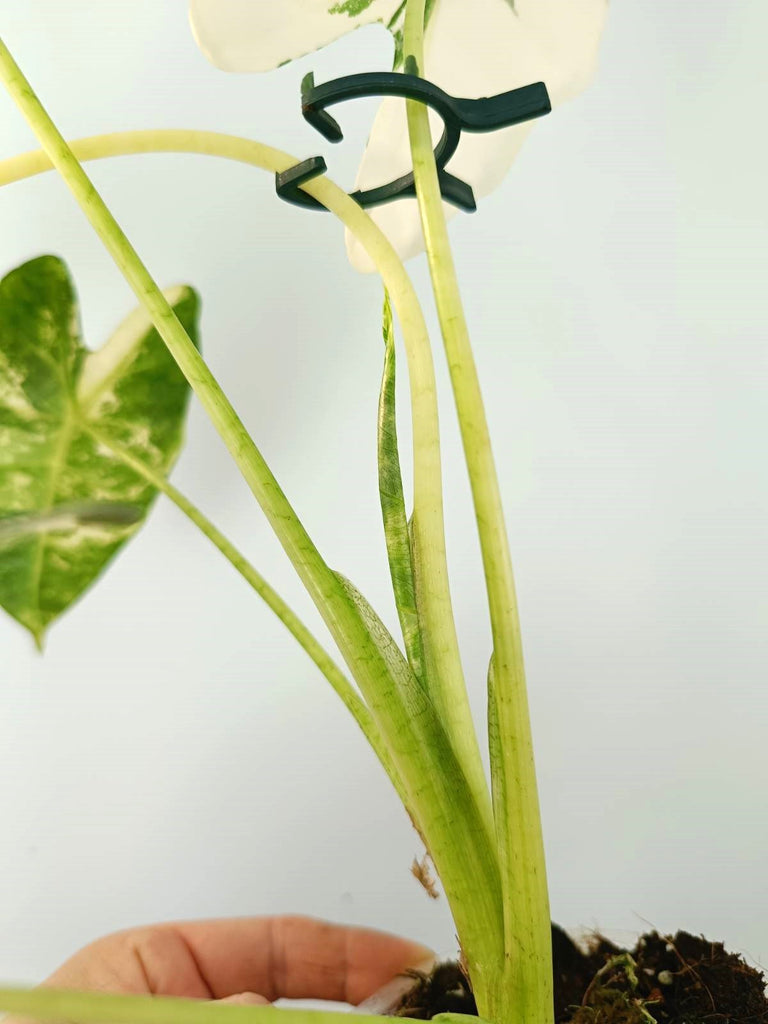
(427, 961)
(245, 999)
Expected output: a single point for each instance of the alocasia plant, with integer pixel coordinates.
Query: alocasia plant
(102, 449)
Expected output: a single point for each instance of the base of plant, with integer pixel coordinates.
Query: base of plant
(662, 980)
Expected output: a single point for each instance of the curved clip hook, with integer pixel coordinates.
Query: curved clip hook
(482, 115)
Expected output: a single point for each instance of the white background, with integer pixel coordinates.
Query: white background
(173, 755)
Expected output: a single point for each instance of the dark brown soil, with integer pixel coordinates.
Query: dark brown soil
(663, 980)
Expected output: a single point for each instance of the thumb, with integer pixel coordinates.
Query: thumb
(245, 999)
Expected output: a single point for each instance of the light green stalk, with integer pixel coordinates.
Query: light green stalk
(105, 1008)
(523, 990)
(448, 810)
(444, 673)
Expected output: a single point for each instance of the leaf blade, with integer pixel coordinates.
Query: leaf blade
(65, 518)
(442, 805)
(392, 499)
(50, 460)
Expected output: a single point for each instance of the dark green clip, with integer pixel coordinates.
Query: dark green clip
(459, 115)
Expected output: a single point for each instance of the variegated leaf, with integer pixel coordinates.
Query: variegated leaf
(243, 35)
(393, 504)
(68, 502)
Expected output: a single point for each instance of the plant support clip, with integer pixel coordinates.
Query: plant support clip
(488, 114)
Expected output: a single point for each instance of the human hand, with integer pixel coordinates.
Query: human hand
(242, 960)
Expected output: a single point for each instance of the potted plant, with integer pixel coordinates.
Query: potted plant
(91, 438)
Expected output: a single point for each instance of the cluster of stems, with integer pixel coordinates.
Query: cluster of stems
(412, 707)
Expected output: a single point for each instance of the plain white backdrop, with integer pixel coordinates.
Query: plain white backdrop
(172, 755)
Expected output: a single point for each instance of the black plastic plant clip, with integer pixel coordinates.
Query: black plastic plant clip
(482, 115)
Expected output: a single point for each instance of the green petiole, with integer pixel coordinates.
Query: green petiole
(523, 988)
(105, 1008)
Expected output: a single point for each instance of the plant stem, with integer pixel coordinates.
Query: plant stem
(445, 676)
(342, 686)
(525, 992)
(448, 810)
(106, 1008)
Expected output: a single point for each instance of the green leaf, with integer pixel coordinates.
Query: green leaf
(66, 519)
(398, 668)
(393, 505)
(67, 501)
(443, 808)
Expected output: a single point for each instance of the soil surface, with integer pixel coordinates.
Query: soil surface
(680, 979)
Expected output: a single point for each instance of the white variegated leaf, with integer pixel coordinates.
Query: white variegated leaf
(258, 35)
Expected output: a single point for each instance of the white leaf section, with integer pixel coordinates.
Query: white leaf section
(258, 35)
(110, 361)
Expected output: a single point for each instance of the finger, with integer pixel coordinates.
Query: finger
(298, 957)
(291, 957)
(153, 960)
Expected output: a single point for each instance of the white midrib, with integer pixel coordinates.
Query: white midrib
(56, 465)
(102, 368)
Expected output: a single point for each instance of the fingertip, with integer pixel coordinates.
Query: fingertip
(382, 967)
(245, 999)
(423, 958)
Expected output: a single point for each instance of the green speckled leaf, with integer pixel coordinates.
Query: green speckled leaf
(393, 504)
(67, 501)
(391, 654)
(353, 8)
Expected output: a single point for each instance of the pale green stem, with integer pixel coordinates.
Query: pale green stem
(444, 674)
(342, 686)
(448, 810)
(523, 990)
(106, 1008)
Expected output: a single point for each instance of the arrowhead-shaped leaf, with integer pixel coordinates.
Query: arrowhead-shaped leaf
(68, 500)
